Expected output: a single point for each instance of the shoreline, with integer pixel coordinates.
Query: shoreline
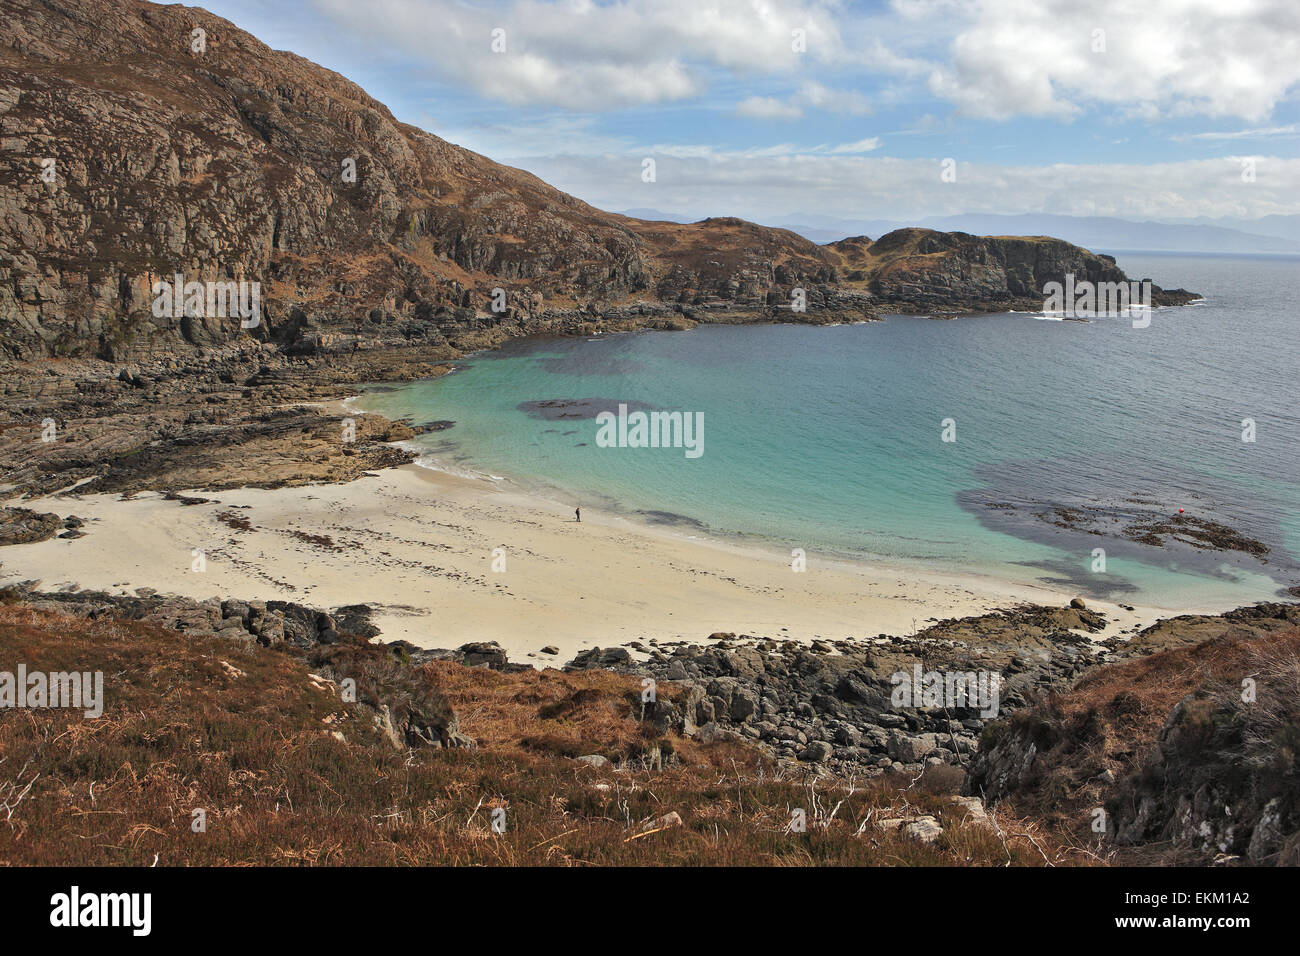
(1187, 596)
(420, 546)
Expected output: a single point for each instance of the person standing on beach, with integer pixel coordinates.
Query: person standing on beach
(578, 512)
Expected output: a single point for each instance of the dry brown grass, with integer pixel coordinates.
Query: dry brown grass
(1133, 698)
(1111, 720)
(181, 730)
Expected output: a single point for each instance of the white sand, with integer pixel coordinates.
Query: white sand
(418, 545)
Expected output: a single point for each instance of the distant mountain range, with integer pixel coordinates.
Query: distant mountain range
(1284, 227)
(1269, 234)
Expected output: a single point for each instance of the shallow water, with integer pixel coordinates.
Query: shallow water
(829, 439)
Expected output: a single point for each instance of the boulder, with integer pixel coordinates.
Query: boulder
(611, 657)
(483, 654)
(923, 829)
(816, 752)
(909, 749)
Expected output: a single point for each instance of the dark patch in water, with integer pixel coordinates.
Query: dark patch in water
(581, 409)
(587, 362)
(1132, 517)
(673, 519)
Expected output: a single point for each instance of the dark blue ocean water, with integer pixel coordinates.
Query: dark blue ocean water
(829, 439)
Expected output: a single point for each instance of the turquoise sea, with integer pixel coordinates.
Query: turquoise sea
(829, 439)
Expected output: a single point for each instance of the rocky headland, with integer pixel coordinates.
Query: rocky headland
(952, 273)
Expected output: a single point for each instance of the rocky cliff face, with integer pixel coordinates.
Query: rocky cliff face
(134, 149)
(140, 142)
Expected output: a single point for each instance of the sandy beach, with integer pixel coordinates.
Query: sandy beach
(446, 560)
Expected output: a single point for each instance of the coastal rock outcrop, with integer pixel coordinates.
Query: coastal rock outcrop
(229, 417)
(921, 270)
(24, 526)
(834, 705)
(262, 622)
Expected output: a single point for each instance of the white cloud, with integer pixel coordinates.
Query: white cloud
(775, 181)
(822, 97)
(713, 154)
(1157, 58)
(810, 95)
(880, 58)
(581, 55)
(541, 133)
(991, 58)
(1292, 130)
(768, 107)
(849, 149)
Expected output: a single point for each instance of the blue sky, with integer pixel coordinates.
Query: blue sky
(1077, 107)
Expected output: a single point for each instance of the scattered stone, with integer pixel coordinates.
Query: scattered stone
(907, 749)
(185, 499)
